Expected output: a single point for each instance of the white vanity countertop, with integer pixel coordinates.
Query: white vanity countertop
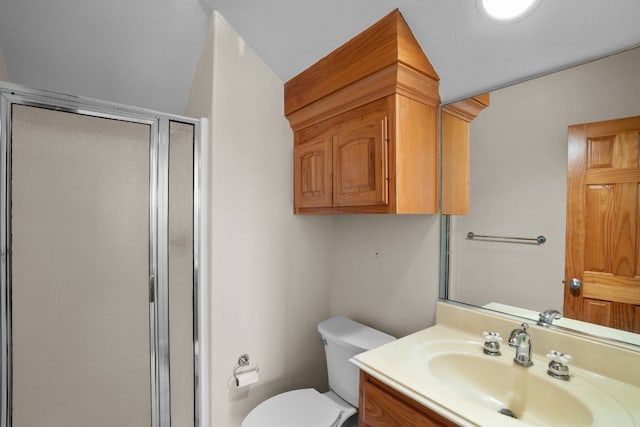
(403, 365)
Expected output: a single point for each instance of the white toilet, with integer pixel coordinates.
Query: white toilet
(342, 338)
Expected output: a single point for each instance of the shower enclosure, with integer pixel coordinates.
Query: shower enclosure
(99, 275)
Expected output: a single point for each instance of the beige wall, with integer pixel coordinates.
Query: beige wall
(200, 100)
(385, 270)
(269, 269)
(3, 68)
(518, 179)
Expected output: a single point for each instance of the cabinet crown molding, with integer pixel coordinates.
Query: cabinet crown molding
(468, 109)
(388, 42)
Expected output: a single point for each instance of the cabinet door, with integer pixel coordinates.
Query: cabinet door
(382, 406)
(360, 163)
(312, 173)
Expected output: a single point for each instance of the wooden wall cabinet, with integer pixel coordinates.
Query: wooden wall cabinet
(365, 126)
(456, 122)
(382, 406)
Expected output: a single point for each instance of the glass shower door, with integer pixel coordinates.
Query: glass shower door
(181, 271)
(80, 270)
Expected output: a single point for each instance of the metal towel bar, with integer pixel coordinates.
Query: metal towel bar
(506, 239)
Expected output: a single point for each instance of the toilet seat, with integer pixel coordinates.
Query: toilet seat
(305, 407)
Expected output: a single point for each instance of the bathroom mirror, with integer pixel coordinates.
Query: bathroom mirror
(518, 188)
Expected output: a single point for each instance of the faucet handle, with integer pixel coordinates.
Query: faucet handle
(558, 365)
(492, 336)
(559, 357)
(492, 342)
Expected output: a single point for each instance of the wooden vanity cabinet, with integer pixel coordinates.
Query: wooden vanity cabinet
(382, 406)
(365, 126)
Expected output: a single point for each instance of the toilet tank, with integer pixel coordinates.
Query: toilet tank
(344, 338)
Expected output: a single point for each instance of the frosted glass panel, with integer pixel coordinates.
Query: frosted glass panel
(181, 143)
(80, 264)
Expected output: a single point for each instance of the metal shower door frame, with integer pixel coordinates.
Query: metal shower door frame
(11, 94)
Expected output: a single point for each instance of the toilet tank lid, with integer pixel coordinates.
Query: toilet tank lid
(353, 334)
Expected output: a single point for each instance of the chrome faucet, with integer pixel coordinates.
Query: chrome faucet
(548, 316)
(520, 339)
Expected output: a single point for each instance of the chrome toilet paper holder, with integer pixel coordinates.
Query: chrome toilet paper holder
(243, 361)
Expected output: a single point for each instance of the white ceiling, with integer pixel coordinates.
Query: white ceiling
(144, 52)
(134, 52)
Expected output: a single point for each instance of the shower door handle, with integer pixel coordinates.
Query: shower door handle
(152, 289)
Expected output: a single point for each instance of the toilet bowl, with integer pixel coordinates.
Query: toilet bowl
(342, 338)
(305, 407)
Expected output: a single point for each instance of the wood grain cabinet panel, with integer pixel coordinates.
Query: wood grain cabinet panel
(360, 161)
(359, 171)
(312, 171)
(382, 406)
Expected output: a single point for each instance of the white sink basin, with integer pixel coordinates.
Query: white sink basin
(496, 384)
(511, 388)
